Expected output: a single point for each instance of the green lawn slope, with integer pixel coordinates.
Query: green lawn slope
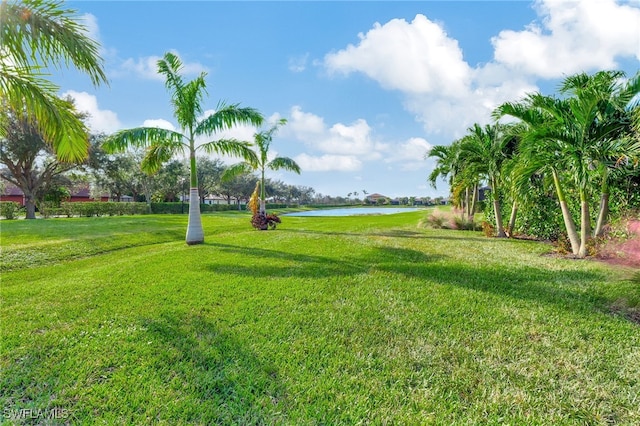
(347, 320)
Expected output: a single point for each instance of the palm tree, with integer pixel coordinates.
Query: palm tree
(463, 181)
(162, 144)
(610, 144)
(260, 161)
(575, 137)
(34, 35)
(484, 151)
(540, 151)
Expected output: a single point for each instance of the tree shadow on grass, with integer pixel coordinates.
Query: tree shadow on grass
(259, 262)
(219, 380)
(395, 233)
(572, 289)
(576, 290)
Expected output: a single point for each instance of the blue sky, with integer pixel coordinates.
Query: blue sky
(367, 87)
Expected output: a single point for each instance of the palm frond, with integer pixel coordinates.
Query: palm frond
(284, 163)
(231, 147)
(24, 92)
(143, 137)
(42, 31)
(227, 116)
(158, 154)
(236, 170)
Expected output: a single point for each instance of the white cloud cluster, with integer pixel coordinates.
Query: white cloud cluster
(416, 57)
(346, 148)
(574, 36)
(147, 67)
(98, 120)
(447, 94)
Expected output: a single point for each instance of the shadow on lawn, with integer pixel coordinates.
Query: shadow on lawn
(218, 379)
(395, 233)
(568, 289)
(258, 262)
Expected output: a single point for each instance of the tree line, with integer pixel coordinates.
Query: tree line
(564, 163)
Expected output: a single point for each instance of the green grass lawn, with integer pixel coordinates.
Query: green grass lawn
(348, 320)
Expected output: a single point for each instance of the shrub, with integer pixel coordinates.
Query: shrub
(465, 224)
(98, 208)
(435, 220)
(488, 229)
(9, 209)
(263, 222)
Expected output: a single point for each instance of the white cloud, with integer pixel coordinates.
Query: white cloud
(419, 57)
(574, 36)
(354, 139)
(448, 95)
(90, 23)
(99, 120)
(147, 67)
(298, 63)
(327, 163)
(410, 154)
(159, 123)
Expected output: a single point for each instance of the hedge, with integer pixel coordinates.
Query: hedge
(96, 208)
(178, 208)
(9, 209)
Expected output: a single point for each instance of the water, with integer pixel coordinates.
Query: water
(354, 211)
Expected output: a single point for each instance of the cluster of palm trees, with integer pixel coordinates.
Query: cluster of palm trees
(574, 143)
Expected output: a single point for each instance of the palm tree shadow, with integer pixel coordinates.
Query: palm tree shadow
(258, 262)
(224, 382)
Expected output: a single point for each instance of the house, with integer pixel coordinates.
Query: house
(373, 198)
(78, 193)
(214, 199)
(12, 193)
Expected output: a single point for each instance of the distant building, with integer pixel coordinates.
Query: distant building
(373, 198)
(78, 193)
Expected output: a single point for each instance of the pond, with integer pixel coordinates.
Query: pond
(354, 211)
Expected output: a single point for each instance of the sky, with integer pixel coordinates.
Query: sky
(367, 87)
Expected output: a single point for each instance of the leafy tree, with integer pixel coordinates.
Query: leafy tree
(209, 176)
(260, 161)
(29, 160)
(162, 144)
(239, 188)
(34, 35)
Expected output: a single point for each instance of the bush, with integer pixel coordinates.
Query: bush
(263, 222)
(98, 208)
(9, 209)
(183, 208)
(49, 208)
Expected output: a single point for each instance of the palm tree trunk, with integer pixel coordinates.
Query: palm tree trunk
(585, 225)
(263, 194)
(497, 210)
(603, 211)
(569, 224)
(512, 219)
(474, 202)
(195, 233)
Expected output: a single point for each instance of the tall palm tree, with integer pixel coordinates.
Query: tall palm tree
(463, 181)
(34, 35)
(260, 161)
(610, 140)
(575, 135)
(162, 145)
(540, 151)
(484, 150)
